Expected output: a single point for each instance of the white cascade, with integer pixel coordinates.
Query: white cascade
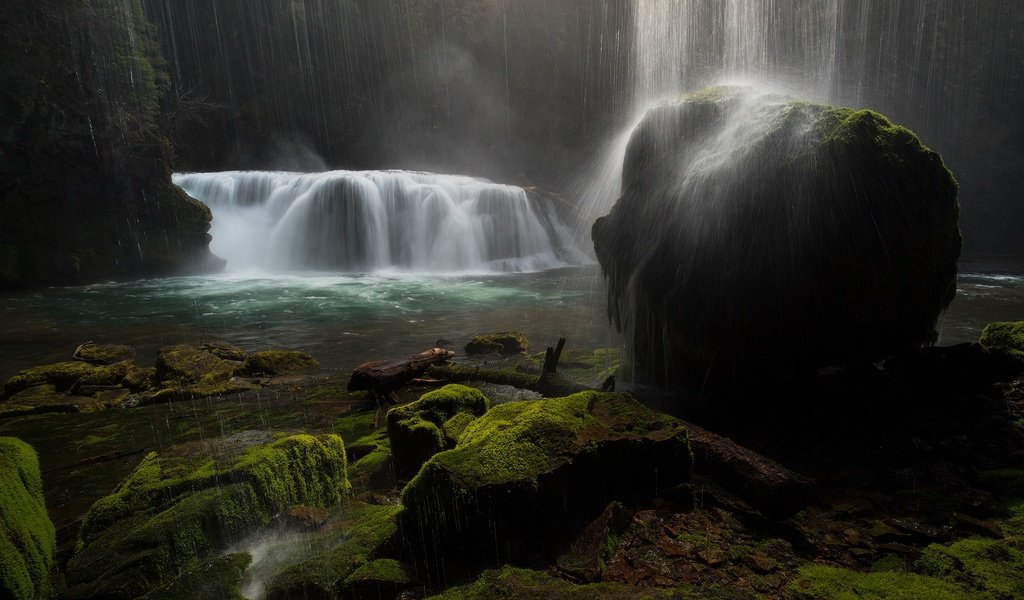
(367, 221)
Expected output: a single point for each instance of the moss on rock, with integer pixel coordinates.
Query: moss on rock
(381, 578)
(192, 364)
(27, 538)
(351, 543)
(180, 507)
(521, 584)
(104, 354)
(528, 476)
(215, 579)
(416, 429)
(1005, 334)
(280, 362)
(61, 375)
(506, 343)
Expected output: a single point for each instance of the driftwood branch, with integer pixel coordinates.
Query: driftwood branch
(552, 356)
(383, 375)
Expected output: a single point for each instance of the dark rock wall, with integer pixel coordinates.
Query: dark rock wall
(85, 190)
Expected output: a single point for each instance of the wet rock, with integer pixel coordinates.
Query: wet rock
(527, 477)
(761, 234)
(585, 560)
(193, 364)
(768, 486)
(431, 424)
(1004, 334)
(225, 351)
(185, 505)
(508, 343)
(104, 354)
(27, 537)
(280, 362)
(381, 578)
(60, 375)
(513, 582)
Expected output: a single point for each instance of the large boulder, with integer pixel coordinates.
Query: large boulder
(526, 477)
(756, 231)
(27, 538)
(184, 506)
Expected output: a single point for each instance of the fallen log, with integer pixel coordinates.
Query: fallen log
(775, 490)
(381, 375)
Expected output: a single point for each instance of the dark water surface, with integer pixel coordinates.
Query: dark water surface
(345, 320)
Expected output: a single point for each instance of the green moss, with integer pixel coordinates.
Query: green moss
(178, 509)
(27, 538)
(140, 380)
(521, 584)
(349, 544)
(507, 343)
(191, 364)
(104, 354)
(415, 430)
(280, 362)
(381, 570)
(455, 426)
(833, 583)
(1007, 334)
(355, 425)
(215, 579)
(60, 375)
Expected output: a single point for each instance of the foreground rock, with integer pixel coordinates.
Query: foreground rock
(27, 539)
(432, 424)
(1008, 335)
(181, 508)
(758, 233)
(526, 477)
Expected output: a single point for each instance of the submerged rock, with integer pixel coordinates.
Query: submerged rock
(432, 424)
(27, 538)
(507, 343)
(526, 477)
(181, 507)
(757, 232)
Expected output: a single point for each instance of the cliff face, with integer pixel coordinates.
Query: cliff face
(85, 189)
(760, 234)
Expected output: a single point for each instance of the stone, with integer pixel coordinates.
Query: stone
(528, 476)
(104, 354)
(423, 428)
(27, 537)
(508, 343)
(760, 234)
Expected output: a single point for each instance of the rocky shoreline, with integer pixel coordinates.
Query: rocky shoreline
(899, 479)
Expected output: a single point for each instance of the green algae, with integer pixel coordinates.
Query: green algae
(27, 538)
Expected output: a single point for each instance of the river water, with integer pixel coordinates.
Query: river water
(345, 320)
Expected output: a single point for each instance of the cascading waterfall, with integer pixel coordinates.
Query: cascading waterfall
(680, 46)
(369, 221)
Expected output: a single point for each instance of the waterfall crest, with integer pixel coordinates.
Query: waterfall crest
(364, 221)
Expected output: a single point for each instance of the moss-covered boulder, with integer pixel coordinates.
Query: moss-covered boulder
(348, 559)
(525, 478)
(183, 506)
(27, 538)
(195, 364)
(1004, 334)
(507, 343)
(425, 427)
(280, 362)
(368, 449)
(104, 354)
(759, 233)
(72, 386)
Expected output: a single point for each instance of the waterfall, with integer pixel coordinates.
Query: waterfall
(680, 46)
(378, 220)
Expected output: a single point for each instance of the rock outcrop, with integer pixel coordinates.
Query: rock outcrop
(756, 232)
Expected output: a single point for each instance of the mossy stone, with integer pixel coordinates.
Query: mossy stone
(529, 475)
(280, 362)
(27, 538)
(215, 579)
(416, 429)
(61, 375)
(516, 583)
(381, 578)
(192, 364)
(507, 343)
(179, 508)
(1005, 334)
(104, 354)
